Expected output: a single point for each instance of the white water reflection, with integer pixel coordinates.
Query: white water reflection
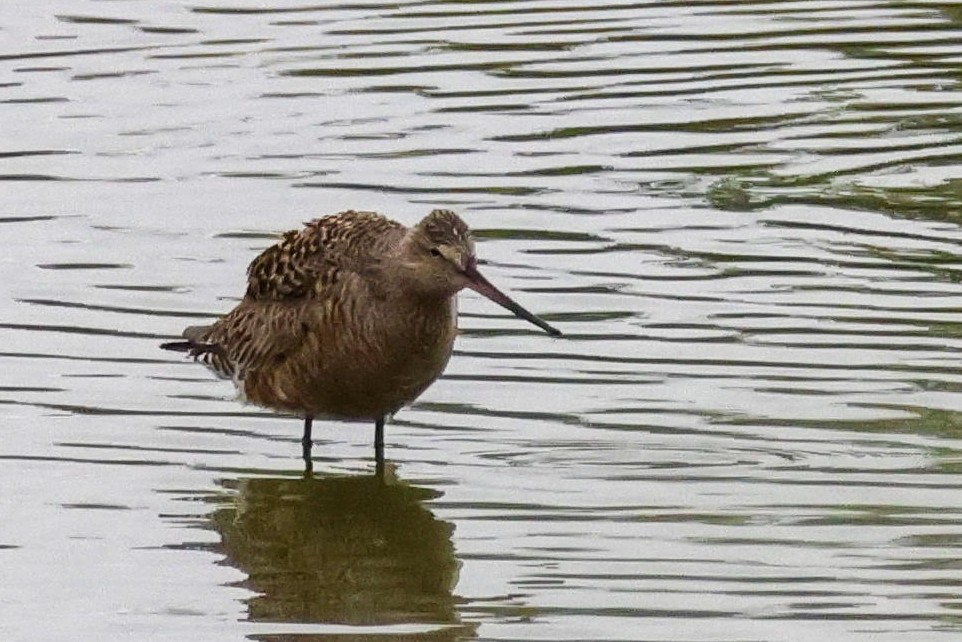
(743, 216)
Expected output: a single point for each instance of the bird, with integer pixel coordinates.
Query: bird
(351, 317)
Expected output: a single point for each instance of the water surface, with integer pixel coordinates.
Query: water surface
(744, 217)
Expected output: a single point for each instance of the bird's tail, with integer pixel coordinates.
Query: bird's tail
(193, 344)
(177, 346)
(192, 348)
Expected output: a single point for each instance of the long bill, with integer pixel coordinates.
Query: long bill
(481, 285)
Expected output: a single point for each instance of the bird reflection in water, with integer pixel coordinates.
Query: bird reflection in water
(341, 550)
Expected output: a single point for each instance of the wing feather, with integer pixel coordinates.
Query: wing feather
(307, 262)
(306, 267)
(253, 335)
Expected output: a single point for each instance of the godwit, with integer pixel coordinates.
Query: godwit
(351, 317)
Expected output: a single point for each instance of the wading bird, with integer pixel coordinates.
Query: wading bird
(351, 317)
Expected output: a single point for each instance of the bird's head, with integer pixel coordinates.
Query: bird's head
(440, 260)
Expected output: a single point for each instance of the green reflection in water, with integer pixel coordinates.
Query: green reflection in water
(940, 202)
(340, 550)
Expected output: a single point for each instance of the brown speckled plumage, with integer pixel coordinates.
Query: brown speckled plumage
(308, 261)
(351, 317)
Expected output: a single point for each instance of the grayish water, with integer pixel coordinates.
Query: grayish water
(744, 216)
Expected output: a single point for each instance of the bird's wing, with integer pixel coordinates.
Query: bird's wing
(314, 267)
(255, 334)
(308, 262)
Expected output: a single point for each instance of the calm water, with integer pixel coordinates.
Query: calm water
(744, 215)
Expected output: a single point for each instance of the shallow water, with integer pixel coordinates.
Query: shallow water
(743, 215)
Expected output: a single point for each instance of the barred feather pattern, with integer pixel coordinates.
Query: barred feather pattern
(307, 261)
(250, 337)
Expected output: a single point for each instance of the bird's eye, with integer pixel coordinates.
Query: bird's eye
(435, 251)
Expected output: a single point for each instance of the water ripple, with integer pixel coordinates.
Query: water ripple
(743, 215)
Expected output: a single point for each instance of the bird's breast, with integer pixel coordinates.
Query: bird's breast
(363, 366)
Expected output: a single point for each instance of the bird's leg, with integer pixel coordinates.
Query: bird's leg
(379, 447)
(306, 445)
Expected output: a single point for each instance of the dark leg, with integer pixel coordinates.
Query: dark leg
(306, 444)
(379, 447)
